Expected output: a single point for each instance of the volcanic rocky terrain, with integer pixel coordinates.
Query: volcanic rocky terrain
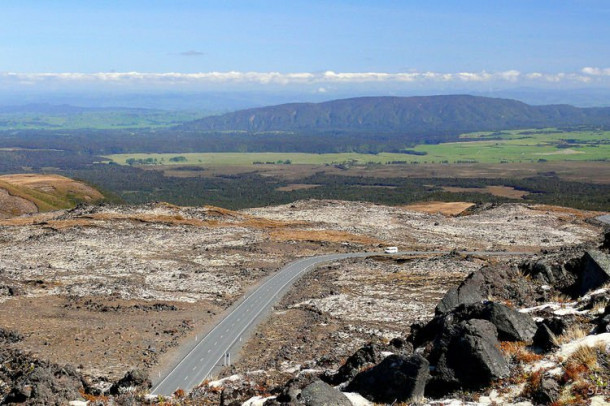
(97, 299)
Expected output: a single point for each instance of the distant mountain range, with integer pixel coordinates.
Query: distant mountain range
(401, 115)
(47, 108)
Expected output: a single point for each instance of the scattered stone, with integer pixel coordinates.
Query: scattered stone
(395, 379)
(9, 336)
(595, 271)
(26, 380)
(365, 356)
(547, 393)
(466, 355)
(545, 339)
(291, 392)
(233, 396)
(468, 292)
(606, 243)
(511, 324)
(499, 281)
(133, 379)
(319, 393)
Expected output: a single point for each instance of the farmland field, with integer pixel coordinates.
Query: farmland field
(516, 146)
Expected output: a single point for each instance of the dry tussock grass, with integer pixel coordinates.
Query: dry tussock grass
(444, 208)
(49, 182)
(586, 356)
(518, 352)
(574, 332)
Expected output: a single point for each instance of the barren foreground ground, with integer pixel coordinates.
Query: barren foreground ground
(110, 288)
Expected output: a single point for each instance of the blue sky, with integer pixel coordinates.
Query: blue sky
(309, 44)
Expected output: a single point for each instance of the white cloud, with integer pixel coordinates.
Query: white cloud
(596, 71)
(320, 79)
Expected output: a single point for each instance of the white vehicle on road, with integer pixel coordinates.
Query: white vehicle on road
(390, 250)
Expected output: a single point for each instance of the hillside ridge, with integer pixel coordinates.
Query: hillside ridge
(32, 193)
(451, 114)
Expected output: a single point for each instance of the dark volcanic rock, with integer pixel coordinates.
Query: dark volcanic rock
(367, 355)
(551, 272)
(595, 271)
(475, 355)
(606, 243)
(291, 392)
(319, 393)
(231, 396)
(545, 339)
(132, 379)
(465, 355)
(9, 336)
(603, 322)
(511, 324)
(500, 281)
(396, 378)
(468, 292)
(547, 393)
(33, 382)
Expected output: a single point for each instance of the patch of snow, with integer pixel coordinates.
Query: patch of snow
(566, 350)
(78, 403)
(598, 401)
(566, 311)
(310, 371)
(257, 401)
(220, 382)
(386, 353)
(357, 399)
(589, 295)
(553, 306)
(542, 364)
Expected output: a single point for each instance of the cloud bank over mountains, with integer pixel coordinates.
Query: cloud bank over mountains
(594, 76)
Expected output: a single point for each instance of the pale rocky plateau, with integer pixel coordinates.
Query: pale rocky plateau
(101, 290)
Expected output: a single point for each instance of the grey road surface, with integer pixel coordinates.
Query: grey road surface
(604, 219)
(226, 338)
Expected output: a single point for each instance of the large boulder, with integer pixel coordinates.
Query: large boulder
(35, 382)
(320, 393)
(133, 380)
(468, 292)
(290, 394)
(551, 272)
(545, 339)
(396, 379)
(595, 271)
(511, 324)
(499, 281)
(366, 356)
(466, 355)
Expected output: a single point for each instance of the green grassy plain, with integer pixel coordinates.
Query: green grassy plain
(513, 146)
(95, 120)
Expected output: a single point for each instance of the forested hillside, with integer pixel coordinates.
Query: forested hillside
(431, 118)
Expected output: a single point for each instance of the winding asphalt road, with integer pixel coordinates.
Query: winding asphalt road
(211, 351)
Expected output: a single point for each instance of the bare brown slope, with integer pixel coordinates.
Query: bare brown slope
(32, 193)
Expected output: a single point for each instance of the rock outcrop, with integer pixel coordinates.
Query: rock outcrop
(465, 355)
(502, 282)
(395, 379)
(133, 380)
(29, 381)
(320, 393)
(595, 271)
